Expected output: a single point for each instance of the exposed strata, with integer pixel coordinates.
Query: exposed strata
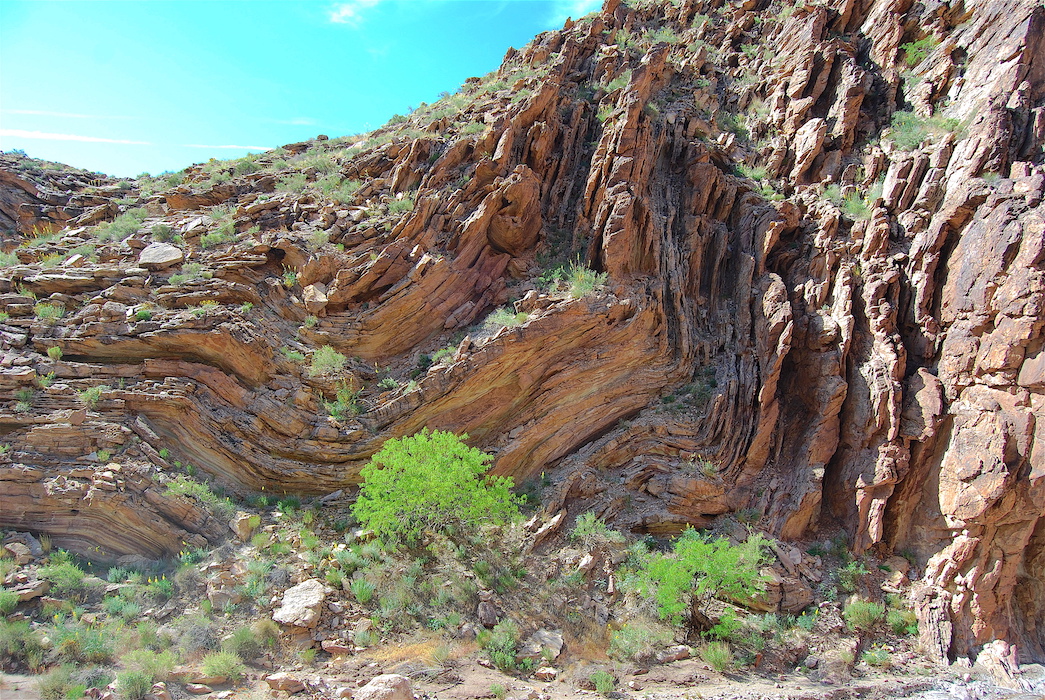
(756, 348)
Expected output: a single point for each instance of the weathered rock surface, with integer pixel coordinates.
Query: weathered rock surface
(302, 604)
(160, 256)
(387, 686)
(799, 348)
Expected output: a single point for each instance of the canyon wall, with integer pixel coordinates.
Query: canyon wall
(816, 314)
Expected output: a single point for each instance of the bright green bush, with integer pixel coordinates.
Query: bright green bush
(363, 590)
(718, 655)
(592, 531)
(583, 280)
(156, 664)
(65, 576)
(223, 663)
(603, 681)
(431, 482)
(19, 644)
(701, 568)
(326, 361)
(8, 601)
(244, 643)
(916, 51)
(863, 615)
(54, 684)
(903, 621)
(504, 317)
(122, 226)
(133, 685)
(637, 640)
(501, 644)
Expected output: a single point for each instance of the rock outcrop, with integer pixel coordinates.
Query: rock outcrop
(822, 304)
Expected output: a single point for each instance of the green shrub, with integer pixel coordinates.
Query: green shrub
(862, 614)
(603, 681)
(916, 51)
(54, 684)
(909, 131)
(133, 685)
(244, 643)
(903, 621)
(20, 645)
(326, 361)
(877, 656)
(209, 240)
(583, 280)
(158, 665)
(55, 353)
(365, 638)
(620, 81)
(401, 206)
(223, 663)
(75, 643)
(637, 640)
(431, 482)
(161, 233)
(501, 644)
(504, 317)
(160, 589)
(718, 655)
(65, 576)
(592, 531)
(8, 259)
(49, 312)
(90, 397)
(122, 226)
(850, 574)
(363, 590)
(701, 568)
(266, 631)
(184, 486)
(8, 601)
(292, 183)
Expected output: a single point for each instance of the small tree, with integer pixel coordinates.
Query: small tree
(431, 482)
(701, 568)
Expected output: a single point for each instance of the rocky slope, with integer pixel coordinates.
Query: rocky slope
(821, 227)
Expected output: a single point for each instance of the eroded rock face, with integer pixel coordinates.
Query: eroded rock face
(855, 338)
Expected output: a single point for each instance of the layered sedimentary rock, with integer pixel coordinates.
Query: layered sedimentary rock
(808, 317)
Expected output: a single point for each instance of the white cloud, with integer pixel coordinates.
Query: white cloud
(45, 136)
(230, 146)
(571, 8)
(296, 121)
(350, 13)
(66, 115)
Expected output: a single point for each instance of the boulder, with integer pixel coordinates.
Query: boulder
(19, 552)
(545, 673)
(160, 256)
(302, 604)
(198, 688)
(388, 686)
(315, 297)
(284, 682)
(241, 525)
(335, 647)
(542, 644)
(32, 589)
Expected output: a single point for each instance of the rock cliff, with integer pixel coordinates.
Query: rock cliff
(821, 229)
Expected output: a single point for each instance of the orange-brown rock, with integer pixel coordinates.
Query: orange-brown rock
(852, 340)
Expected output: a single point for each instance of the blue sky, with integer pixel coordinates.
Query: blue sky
(128, 87)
